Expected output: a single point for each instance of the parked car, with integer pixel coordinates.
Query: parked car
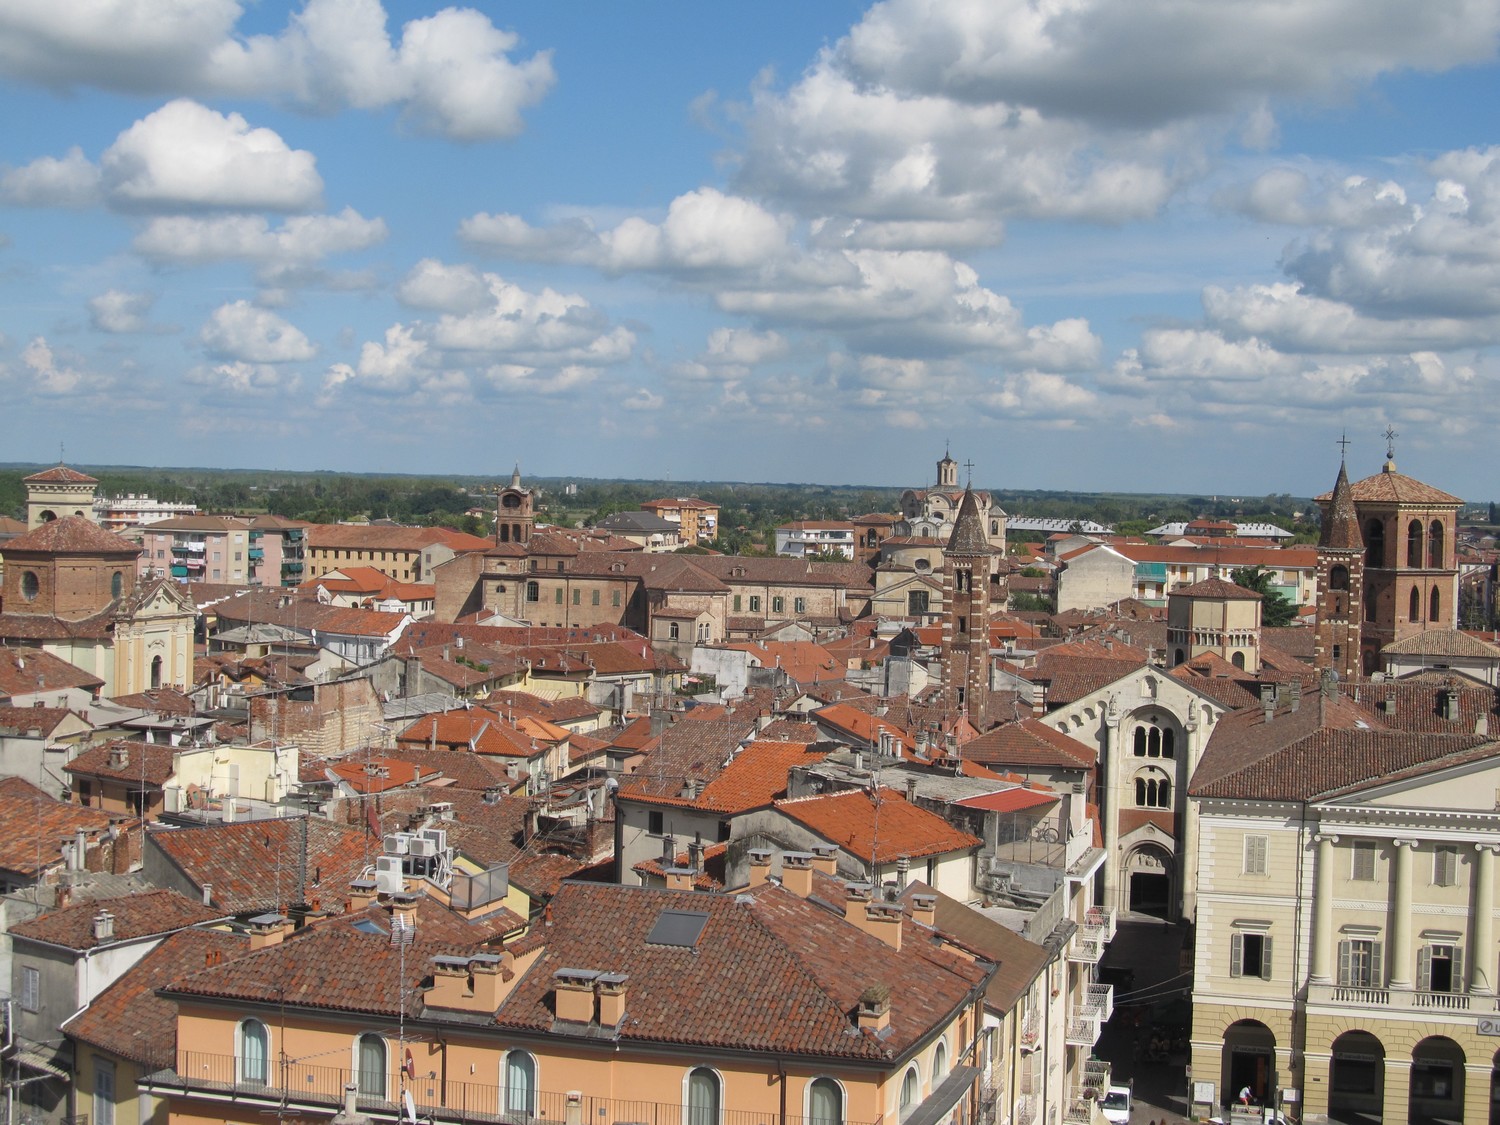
(1116, 1105)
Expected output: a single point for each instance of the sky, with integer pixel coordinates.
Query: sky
(1123, 245)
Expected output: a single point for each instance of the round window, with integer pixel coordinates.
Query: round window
(31, 585)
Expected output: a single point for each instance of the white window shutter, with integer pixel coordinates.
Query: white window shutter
(1345, 955)
(1265, 957)
(1377, 965)
(1424, 969)
(1237, 955)
(1458, 970)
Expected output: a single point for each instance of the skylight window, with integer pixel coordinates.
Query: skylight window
(681, 928)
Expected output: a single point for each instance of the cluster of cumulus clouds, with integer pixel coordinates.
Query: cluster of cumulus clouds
(836, 255)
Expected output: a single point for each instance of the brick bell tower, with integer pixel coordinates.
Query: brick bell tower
(966, 614)
(1338, 636)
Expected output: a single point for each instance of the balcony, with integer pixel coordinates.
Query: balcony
(1025, 1111)
(315, 1091)
(257, 552)
(1094, 1008)
(1031, 1032)
(1398, 999)
(1093, 936)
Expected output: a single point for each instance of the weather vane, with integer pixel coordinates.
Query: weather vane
(1390, 443)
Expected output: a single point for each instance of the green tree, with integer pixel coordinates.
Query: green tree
(1276, 608)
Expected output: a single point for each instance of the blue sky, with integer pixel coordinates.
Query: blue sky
(1091, 244)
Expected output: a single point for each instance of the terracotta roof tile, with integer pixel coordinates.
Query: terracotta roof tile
(135, 916)
(70, 535)
(848, 820)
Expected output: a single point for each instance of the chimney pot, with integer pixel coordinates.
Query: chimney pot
(104, 926)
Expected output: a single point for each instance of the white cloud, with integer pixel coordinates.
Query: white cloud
(298, 241)
(1288, 196)
(450, 73)
(52, 375)
(119, 311)
(187, 156)
(544, 341)
(642, 400)
(241, 378)
(1291, 320)
(48, 181)
(240, 331)
(438, 287)
(742, 347)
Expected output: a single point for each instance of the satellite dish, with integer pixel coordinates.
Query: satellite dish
(409, 1106)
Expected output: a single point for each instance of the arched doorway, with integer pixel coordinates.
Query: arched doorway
(1437, 1081)
(1495, 1089)
(1148, 881)
(1356, 1079)
(1249, 1061)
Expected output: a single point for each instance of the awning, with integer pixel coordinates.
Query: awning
(958, 1083)
(35, 1060)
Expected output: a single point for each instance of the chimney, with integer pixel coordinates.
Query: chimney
(695, 854)
(921, 750)
(760, 866)
(856, 897)
(266, 930)
(859, 758)
(611, 988)
(680, 878)
(924, 910)
(903, 870)
(573, 995)
(1294, 695)
(404, 910)
(104, 926)
(911, 790)
(80, 849)
(208, 894)
(361, 894)
(874, 1011)
(796, 873)
(883, 920)
(1450, 704)
(826, 859)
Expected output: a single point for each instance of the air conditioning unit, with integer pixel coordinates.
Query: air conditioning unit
(389, 879)
(439, 838)
(397, 844)
(422, 847)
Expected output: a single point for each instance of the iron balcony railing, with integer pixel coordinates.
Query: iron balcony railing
(296, 1084)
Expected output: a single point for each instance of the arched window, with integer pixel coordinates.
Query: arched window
(155, 672)
(1414, 610)
(1374, 543)
(255, 1050)
(533, 592)
(1168, 744)
(1414, 543)
(1238, 660)
(1435, 545)
(1153, 790)
(1140, 742)
(369, 1053)
(702, 1097)
(939, 1062)
(911, 1093)
(1153, 743)
(1338, 578)
(1432, 612)
(116, 584)
(825, 1102)
(520, 1082)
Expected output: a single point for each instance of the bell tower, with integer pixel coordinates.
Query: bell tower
(1337, 644)
(966, 614)
(514, 517)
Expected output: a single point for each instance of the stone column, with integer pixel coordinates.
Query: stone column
(1109, 812)
(1482, 943)
(1322, 935)
(1400, 962)
(1398, 1089)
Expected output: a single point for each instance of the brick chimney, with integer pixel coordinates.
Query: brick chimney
(573, 994)
(266, 930)
(826, 859)
(611, 988)
(924, 909)
(883, 920)
(760, 866)
(361, 894)
(874, 1011)
(797, 873)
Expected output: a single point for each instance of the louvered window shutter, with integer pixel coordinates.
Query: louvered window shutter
(1458, 970)
(1346, 951)
(1237, 955)
(1377, 965)
(1265, 957)
(1424, 969)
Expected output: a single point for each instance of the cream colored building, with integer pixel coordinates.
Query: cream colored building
(1346, 952)
(1217, 618)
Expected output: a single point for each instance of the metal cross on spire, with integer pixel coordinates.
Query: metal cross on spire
(969, 465)
(1343, 444)
(1390, 443)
